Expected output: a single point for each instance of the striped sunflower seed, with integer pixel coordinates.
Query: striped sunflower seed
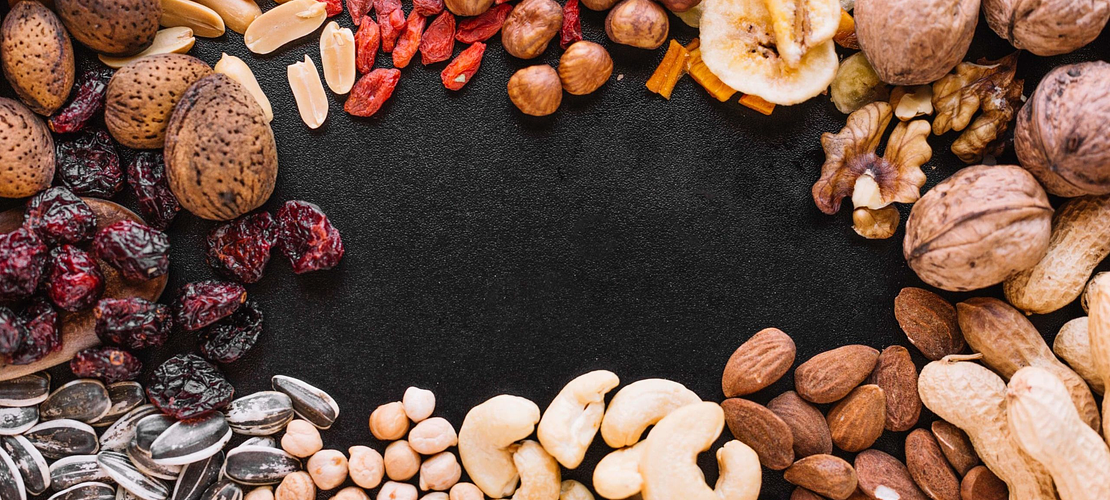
(71, 471)
(16, 420)
(30, 463)
(189, 441)
(223, 490)
(196, 477)
(142, 460)
(121, 469)
(259, 465)
(310, 403)
(11, 482)
(269, 441)
(125, 396)
(84, 400)
(86, 491)
(61, 438)
(28, 390)
(120, 433)
(122, 494)
(260, 414)
(149, 428)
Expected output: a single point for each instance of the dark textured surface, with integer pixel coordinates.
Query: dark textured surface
(492, 253)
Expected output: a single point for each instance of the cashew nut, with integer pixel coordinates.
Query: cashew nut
(640, 405)
(670, 461)
(574, 416)
(741, 477)
(617, 476)
(574, 490)
(539, 473)
(485, 438)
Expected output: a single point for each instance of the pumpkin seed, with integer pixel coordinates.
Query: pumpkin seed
(260, 414)
(84, 400)
(259, 465)
(61, 438)
(125, 396)
(86, 491)
(28, 390)
(196, 477)
(310, 403)
(11, 482)
(16, 420)
(71, 471)
(223, 490)
(142, 461)
(119, 435)
(30, 463)
(130, 478)
(187, 442)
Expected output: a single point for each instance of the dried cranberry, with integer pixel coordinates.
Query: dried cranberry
(73, 278)
(22, 259)
(240, 249)
(138, 251)
(205, 302)
(60, 217)
(439, 40)
(133, 323)
(87, 101)
(230, 338)
(12, 331)
(147, 177)
(44, 328)
(307, 238)
(110, 364)
(89, 164)
(371, 92)
(186, 386)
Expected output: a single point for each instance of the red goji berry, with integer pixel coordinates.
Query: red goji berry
(391, 28)
(384, 7)
(367, 40)
(481, 28)
(410, 40)
(462, 69)
(428, 8)
(439, 40)
(358, 9)
(371, 91)
(572, 25)
(334, 7)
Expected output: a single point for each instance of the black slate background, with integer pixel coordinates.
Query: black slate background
(489, 252)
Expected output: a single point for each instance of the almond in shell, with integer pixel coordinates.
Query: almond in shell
(896, 374)
(762, 430)
(758, 363)
(857, 421)
(928, 467)
(807, 424)
(956, 447)
(883, 476)
(827, 475)
(929, 322)
(831, 375)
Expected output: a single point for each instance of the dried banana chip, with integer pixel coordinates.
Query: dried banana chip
(801, 25)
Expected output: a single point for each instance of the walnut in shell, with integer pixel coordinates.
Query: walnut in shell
(221, 157)
(915, 42)
(978, 227)
(1060, 134)
(1047, 27)
(27, 165)
(142, 95)
(112, 27)
(37, 57)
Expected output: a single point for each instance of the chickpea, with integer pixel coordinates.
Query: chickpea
(466, 491)
(397, 491)
(419, 403)
(389, 422)
(328, 469)
(366, 466)
(301, 439)
(296, 486)
(260, 493)
(401, 462)
(351, 493)
(433, 436)
(435, 495)
(440, 472)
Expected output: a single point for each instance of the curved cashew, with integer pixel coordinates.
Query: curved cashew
(670, 462)
(573, 417)
(574, 490)
(741, 475)
(486, 437)
(640, 405)
(539, 473)
(617, 476)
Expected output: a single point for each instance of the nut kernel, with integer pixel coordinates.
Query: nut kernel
(584, 67)
(389, 422)
(301, 439)
(237, 14)
(419, 403)
(238, 70)
(204, 21)
(530, 27)
(328, 469)
(312, 102)
(432, 436)
(639, 23)
(167, 41)
(401, 462)
(536, 90)
(366, 466)
(283, 24)
(337, 56)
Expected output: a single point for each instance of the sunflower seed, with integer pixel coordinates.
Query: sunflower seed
(125, 396)
(116, 437)
(75, 470)
(142, 461)
(84, 400)
(259, 465)
(260, 414)
(30, 463)
(196, 477)
(149, 428)
(11, 482)
(28, 390)
(310, 403)
(129, 478)
(186, 442)
(62, 438)
(122, 494)
(268, 441)
(17, 420)
(86, 491)
(223, 490)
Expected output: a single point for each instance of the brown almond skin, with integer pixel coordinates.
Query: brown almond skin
(876, 469)
(929, 322)
(858, 420)
(766, 433)
(141, 97)
(27, 166)
(928, 467)
(981, 484)
(896, 374)
(112, 27)
(826, 475)
(956, 446)
(804, 494)
(831, 375)
(758, 363)
(807, 424)
(37, 57)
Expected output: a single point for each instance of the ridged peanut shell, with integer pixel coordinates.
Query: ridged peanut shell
(142, 95)
(37, 57)
(831, 375)
(758, 362)
(896, 374)
(880, 474)
(827, 475)
(956, 446)
(1073, 346)
(929, 322)
(1047, 27)
(758, 427)
(857, 421)
(807, 425)
(915, 42)
(929, 468)
(111, 27)
(27, 164)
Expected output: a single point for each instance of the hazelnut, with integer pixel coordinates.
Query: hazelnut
(301, 439)
(397, 491)
(366, 466)
(1047, 27)
(440, 472)
(584, 67)
(908, 42)
(419, 403)
(530, 27)
(536, 90)
(296, 486)
(389, 422)
(401, 462)
(677, 6)
(598, 5)
(433, 436)
(639, 23)
(351, 493)
(468, 7)
(466, 491)
(328, 469)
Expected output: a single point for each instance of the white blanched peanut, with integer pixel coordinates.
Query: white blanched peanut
(337, 56)
(296, 486)
(238, 70)
(237, 14)
(435, 495)
(466, 491)
(574, 490)
(284, 24)
(308, 91)
(366, 466)
(301, 439)
(178, 40)
(328, 469)
(389, 422)
(432, 436)
(260, 493)
(440, 472)
(401, 462)
(397, 491)
(419, 403)
(202, 20)
(351, 493)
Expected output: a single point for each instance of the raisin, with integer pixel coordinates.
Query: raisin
(572, 25)
(409, 41)
(456, 75)
(428, 8)
(138, 251)
(73, 278)
(439, 40)
(332, 7)
(391, 26)
(240, 249)
(88, 101)
(134, 323)
(89, 164)
(44, 328)
(12, 331)
(482, 27)
(146, 175)
(22, 260)
(186, 386)
(230, 338)
(60, 217)
(307, 238)
(367, 40)
(110, 364)
(358, 9)
(205, 302)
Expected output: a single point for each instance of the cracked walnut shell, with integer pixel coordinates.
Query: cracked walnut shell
(1047, 27)
(915, 42)
(988, 87)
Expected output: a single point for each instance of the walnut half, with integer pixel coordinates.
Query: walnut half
(986, 87)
